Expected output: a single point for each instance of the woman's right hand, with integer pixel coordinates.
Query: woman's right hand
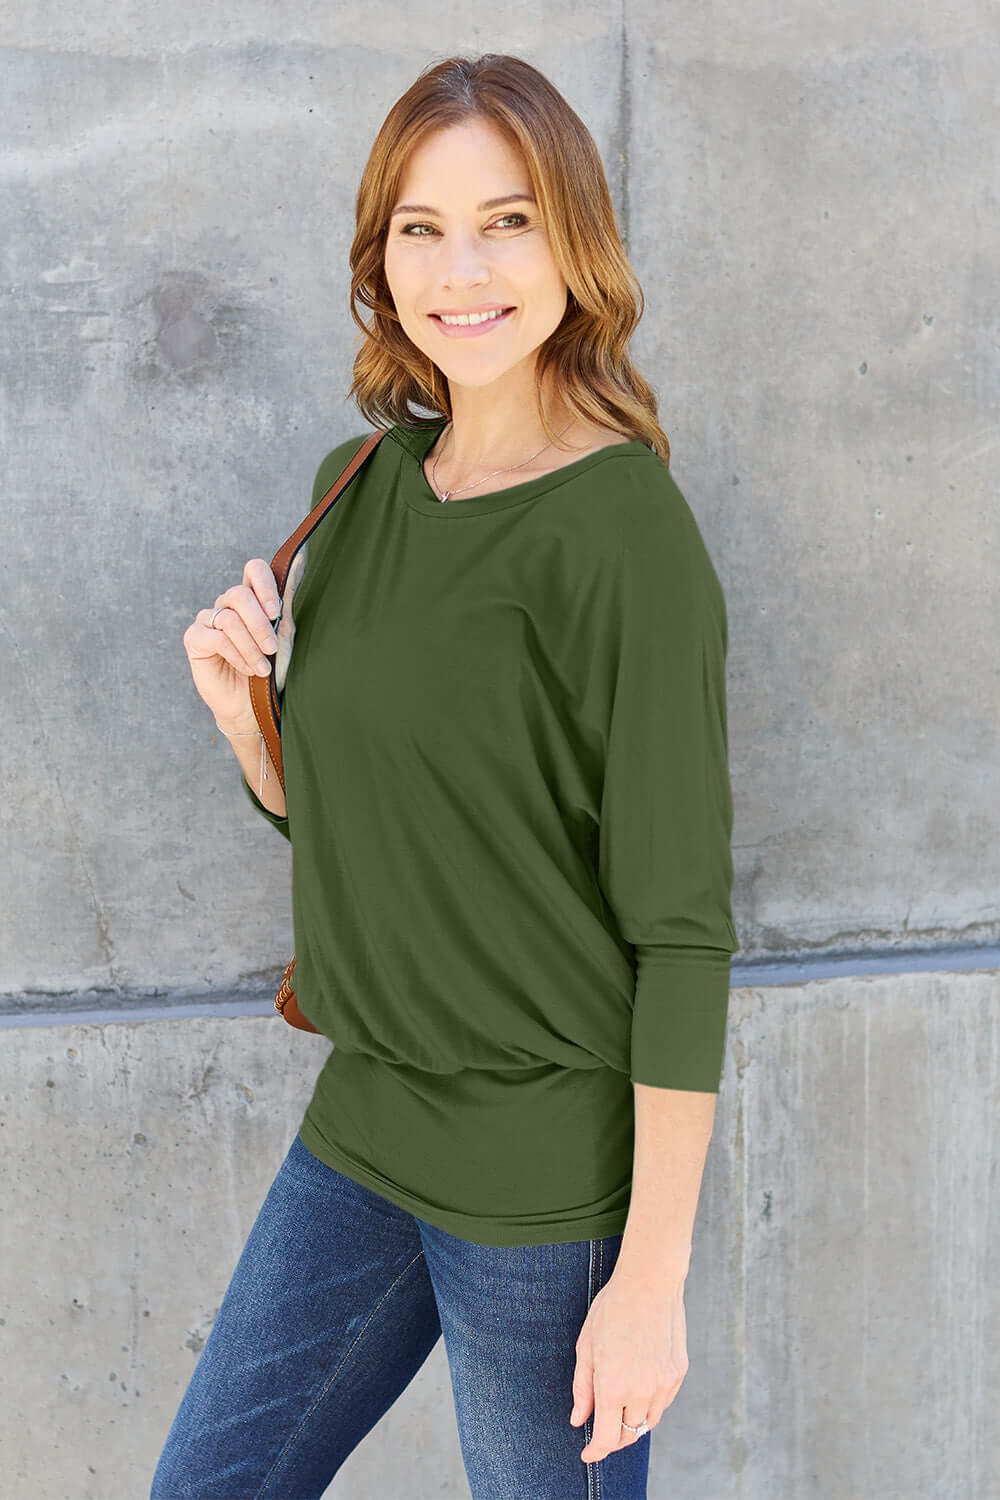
(223, 658)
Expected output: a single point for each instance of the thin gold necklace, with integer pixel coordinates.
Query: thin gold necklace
(448, 493)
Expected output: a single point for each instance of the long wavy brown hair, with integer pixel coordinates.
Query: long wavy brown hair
(588, 353)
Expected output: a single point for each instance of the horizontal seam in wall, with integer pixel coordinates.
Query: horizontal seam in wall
(764, 975)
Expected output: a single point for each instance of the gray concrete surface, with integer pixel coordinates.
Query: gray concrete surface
(843, 1307)
(810, 202)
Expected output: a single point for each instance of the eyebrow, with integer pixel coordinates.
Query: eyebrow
(423, 208)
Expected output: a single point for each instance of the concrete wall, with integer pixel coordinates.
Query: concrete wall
(843, 1309)
(810, 202)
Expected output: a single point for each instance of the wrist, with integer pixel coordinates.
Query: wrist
(654, 1254)
(239, 728)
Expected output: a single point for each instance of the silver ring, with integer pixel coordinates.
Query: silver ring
(211, 623)
(642, 1427)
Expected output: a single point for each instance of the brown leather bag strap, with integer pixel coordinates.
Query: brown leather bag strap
(263, 693)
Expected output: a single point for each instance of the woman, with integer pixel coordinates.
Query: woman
(504, 745)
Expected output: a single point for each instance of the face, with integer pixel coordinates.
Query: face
(450, 253)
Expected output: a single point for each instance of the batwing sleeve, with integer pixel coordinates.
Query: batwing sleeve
(664, 854)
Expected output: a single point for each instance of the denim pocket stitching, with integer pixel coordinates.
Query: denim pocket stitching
(600, 1284)
(593, 1285)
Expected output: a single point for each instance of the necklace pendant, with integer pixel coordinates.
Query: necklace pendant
(445, 495)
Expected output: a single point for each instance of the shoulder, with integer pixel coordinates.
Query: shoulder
(631, 499)
(334, 463)
(643, 531)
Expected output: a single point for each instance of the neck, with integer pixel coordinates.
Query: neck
(490, 427)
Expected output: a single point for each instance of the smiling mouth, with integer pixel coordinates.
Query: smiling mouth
(476, 327)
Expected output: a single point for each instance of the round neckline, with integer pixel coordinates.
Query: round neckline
(417, 442)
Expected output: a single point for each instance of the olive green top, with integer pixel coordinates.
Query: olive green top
(509, 809)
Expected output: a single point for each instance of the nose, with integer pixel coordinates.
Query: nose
(463, 262)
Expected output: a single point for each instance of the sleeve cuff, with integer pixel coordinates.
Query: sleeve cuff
(281, 824)
(679, 1017)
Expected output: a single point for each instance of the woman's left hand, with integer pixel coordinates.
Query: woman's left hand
(631, 1357)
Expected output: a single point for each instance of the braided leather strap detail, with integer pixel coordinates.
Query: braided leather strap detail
(285, 992)
(287, 1005)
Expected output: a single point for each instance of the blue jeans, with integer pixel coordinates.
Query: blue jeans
(336, 1301)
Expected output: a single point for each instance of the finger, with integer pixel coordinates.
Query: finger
(202, 641)
(608, 1431)
(258, 576)
(242, 617)
(583, 1389)
(229, 638)
(635, 1415)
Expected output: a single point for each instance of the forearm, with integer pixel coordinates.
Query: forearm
(672, 1130)
(246, 746)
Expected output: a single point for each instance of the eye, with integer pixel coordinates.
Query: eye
(407, 227)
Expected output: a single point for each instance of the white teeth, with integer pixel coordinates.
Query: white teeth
(471, 318)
